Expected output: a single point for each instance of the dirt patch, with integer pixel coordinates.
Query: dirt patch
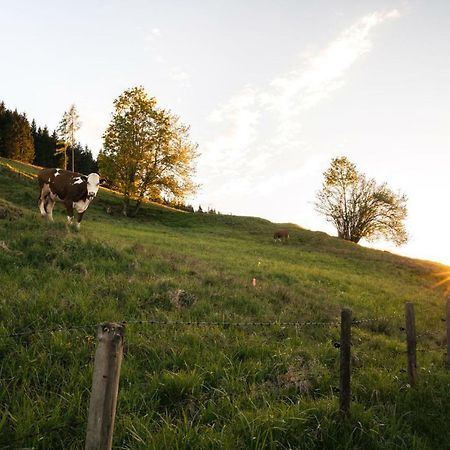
(9, 211)
(182, 299)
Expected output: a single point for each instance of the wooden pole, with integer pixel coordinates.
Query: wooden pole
(411, 343)
(344, 382)
(448, 331)
(105, 386)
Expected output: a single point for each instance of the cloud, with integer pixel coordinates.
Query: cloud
(259, 130)
(180, 76)
(153, 35)
(156, 32)
(319, 75)
(160, 59)
(156, 46)
(236, 124)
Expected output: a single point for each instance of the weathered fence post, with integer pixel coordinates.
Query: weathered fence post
(105, 386)
(344, 382)
(411, 343)
(448, 331)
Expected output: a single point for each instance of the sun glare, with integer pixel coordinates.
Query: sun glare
(444, 280)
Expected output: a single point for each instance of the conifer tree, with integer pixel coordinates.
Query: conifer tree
(16, 141)
(84, 161)
(45, 146)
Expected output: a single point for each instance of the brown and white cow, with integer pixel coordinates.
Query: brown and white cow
(74, 189)
(280, 235)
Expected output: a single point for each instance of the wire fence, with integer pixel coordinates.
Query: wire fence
(439, 339)
(430, 341)
(201, 323)
(332, 339)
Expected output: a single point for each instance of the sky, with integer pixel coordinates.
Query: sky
(272, 91)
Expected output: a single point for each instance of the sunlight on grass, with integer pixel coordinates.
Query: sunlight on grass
(445, 281)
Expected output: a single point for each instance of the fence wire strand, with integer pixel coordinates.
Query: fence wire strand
(202, 323)
(50, 330)
(90, 328)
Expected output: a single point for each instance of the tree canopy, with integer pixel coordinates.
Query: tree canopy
(359, 207)
(16, 140)
(146, 151)
(44, 147)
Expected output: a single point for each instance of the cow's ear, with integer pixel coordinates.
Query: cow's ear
(84, 178)
(102, 180)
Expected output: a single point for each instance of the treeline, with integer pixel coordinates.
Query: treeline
(29, 143)
(185, 206)
(158, 166)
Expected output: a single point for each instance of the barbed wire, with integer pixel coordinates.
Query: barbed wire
(50, 330)
(430, 333)
(171, 323)
(431, 349)
(90, 328)
(374, 319)
(227, 324)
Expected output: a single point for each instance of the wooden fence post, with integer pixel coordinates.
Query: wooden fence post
(411, 343)
(448, 331)
(105, 386)
(344, 382)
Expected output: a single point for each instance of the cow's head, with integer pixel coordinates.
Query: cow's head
(93, 181)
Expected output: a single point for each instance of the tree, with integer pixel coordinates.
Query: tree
(44, 147)
(84, 161)
(69, 125)
(146, 151)
(16, 141)
(359, 207)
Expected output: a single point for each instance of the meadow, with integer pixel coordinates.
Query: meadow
(188, 386)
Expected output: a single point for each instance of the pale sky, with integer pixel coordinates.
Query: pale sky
(272, 90)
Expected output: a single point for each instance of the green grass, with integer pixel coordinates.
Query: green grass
(192, 387)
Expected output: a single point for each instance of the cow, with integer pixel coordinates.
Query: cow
(74, 189)
(280, 235)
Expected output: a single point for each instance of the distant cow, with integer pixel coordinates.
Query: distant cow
(75, 190)
(280, 235)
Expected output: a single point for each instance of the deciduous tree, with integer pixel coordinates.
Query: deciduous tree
(359, 207)
(146, 152)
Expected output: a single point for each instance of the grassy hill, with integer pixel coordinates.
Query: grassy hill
(188, 386)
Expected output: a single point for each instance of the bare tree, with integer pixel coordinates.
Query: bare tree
(359, 207)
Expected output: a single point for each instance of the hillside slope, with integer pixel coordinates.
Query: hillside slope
(210, 386)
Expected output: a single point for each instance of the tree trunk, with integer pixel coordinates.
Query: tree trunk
(345, 237)
(137, 207)
(126, 204)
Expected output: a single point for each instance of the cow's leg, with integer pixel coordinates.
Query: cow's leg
(69, 209)
(79, 217)
(49, 205)
(41, 206)
(45, 191)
